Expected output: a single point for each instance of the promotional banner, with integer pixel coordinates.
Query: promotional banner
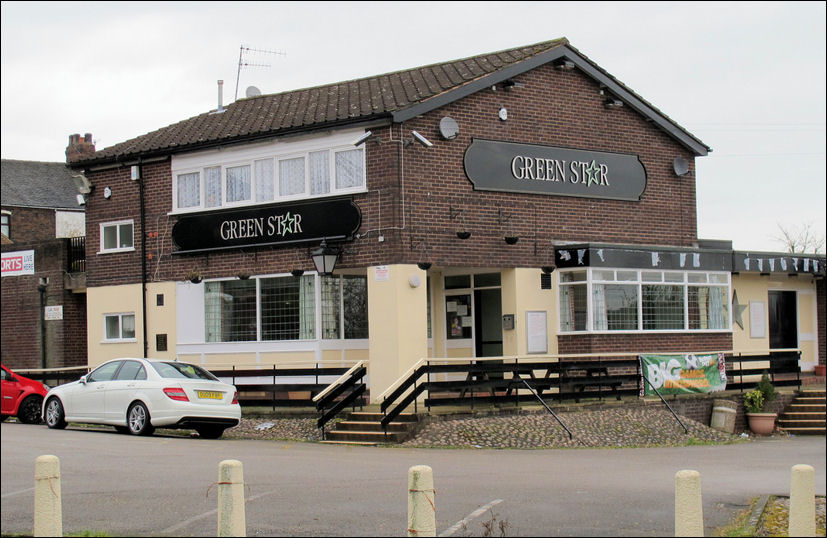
(682, 374)
(18, 263)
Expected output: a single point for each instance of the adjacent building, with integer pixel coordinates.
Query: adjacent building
(513, 203)
(43, 273)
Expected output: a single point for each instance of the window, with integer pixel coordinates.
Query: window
(239, 188)
(631, 300)
(5, 224)
(285, 308)
(130, 371)
(181, 370)
(271, 178)
(105, 372)
(117, 236)
(230, 311)
(119, 327)
(288, 308)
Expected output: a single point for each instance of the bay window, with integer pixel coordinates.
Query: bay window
(606, 300)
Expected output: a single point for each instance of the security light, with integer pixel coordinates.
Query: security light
(421, 139)
(362, 139)
(81, 199)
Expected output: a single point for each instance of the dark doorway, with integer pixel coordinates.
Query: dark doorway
(783, 320)
(488, 329)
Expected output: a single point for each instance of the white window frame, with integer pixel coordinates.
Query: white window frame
(275, 151)
(686, 283)
(117, 224)
(120, 316)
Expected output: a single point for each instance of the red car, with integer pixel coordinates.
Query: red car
(22, 397)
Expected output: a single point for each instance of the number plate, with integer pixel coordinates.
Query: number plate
(209, 395)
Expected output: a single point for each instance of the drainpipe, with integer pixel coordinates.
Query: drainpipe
(138, 176)
(41, 288)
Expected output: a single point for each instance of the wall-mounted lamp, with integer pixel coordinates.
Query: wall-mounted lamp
(325, 258)
(547, 269)
(365, 137)
(107, 193)
(611, 102)
(135, 172)
(81, 198)
(416, 137)
(564, 64)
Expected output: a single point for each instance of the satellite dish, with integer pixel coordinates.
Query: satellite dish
(448, 128)
(681, 166)
(252, 91)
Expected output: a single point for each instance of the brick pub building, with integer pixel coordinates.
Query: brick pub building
(510, 204)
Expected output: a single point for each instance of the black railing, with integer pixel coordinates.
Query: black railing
(346, 391)
(784, 369)
(76, 257)
(290, 386)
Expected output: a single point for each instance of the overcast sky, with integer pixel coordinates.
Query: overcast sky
(748, 79)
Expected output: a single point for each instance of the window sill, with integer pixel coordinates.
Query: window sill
(116, 251)
(123, 341)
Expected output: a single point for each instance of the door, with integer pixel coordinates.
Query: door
(87, 400)
(783, 320)
(488, 328)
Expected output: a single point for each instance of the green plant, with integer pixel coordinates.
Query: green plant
(754, 401)
(766, 388)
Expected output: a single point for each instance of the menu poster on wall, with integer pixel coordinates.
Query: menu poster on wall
(536, 332)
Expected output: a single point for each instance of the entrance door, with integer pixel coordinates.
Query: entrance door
(783, 320)
(488, 328)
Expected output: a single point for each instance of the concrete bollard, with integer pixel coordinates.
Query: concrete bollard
(231, 518)
(802, 501)
(48, 515)
(421, 507)
(689, 512)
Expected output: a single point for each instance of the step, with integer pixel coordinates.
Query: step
(353, 425)
(809, 400)
(805, 431)
(360, 443)
(803, 408)
(366, 416)
(789, 415)
(786, 423)
(374, 437)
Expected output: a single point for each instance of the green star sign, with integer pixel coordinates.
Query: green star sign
(594, 173)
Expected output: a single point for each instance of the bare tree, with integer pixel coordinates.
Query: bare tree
(800, 239)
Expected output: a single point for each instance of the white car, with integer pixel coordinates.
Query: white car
(138, 395)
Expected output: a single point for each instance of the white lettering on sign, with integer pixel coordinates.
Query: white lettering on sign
(586, 173)
(18, 263)
(274, 225)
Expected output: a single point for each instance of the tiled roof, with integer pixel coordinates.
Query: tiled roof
(397, 96)
(338, 103)
(37, 184)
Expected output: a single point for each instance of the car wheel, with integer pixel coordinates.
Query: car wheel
(122, 429)
(138, 419)
(29, 410)
(210, 432)
(55, 417)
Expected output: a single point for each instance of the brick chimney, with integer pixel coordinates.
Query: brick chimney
(79, 148)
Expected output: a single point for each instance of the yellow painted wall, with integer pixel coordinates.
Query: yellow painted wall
(753, 287)
(398, 323)
(161, 319)
(521, 293)
(112, 300)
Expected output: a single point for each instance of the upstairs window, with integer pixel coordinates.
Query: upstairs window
(117, 236)
(5, 224)
(270, 178)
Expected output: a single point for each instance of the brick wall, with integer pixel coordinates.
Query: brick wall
(560, 108)
(644, 343)
(821, 308)
(28, 224)
(21, 322)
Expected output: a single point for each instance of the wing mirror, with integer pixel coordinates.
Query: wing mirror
(82, 380)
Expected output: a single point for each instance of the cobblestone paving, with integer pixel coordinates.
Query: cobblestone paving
(635, 427)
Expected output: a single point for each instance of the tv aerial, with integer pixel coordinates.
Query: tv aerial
(243, 62)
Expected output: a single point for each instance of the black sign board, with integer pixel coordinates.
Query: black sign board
(267, 225)
(531, 168)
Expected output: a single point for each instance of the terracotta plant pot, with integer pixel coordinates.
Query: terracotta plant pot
(761, 423)
(820, 369)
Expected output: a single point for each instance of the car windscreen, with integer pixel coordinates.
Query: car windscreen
(181, 369)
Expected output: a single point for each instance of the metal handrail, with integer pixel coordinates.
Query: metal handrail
(547, 407)
(685, 429)
(339, 381)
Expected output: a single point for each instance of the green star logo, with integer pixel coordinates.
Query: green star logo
(593, 172)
